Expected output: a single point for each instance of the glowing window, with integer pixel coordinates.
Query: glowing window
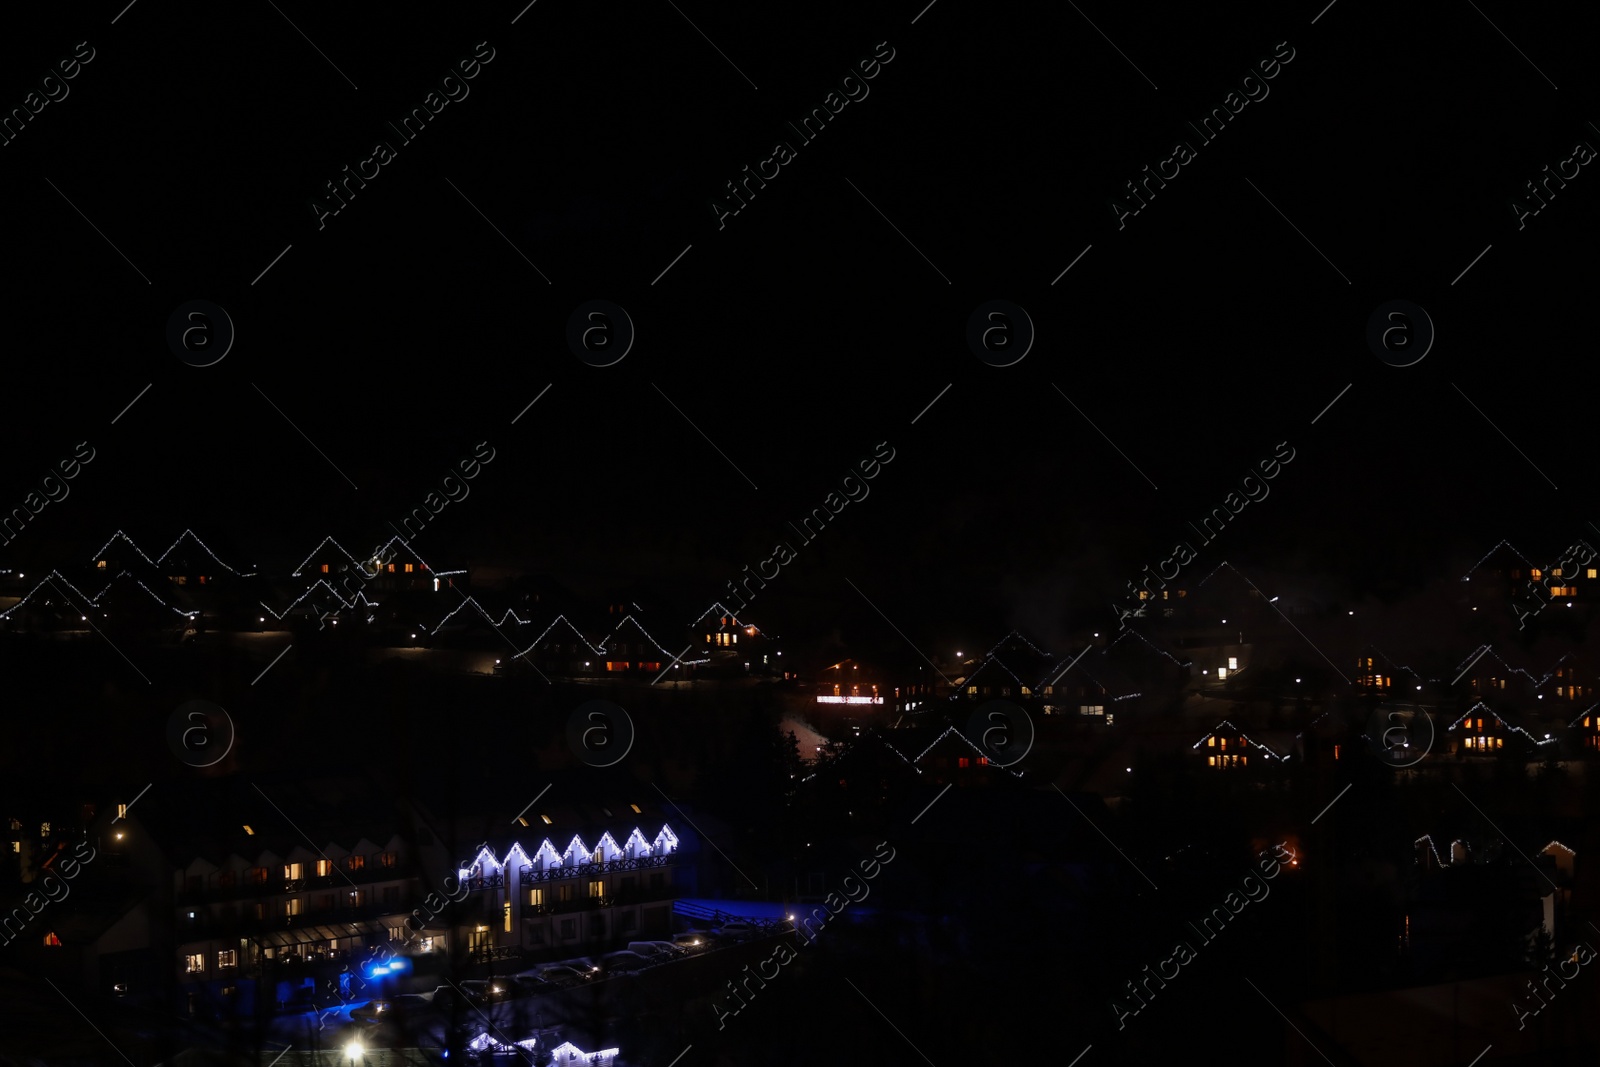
(324, 568)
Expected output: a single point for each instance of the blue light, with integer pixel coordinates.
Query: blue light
(381, 968)
(398, 965)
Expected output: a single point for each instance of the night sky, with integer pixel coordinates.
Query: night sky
(1177, 352)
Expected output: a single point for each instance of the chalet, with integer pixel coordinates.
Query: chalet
(1228, 747)
(630, 649)
(561, 650)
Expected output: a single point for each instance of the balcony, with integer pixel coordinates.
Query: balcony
(206, 925)
(484, 881)
(487, 953)
(562, 907)
(246, 887)
(581, 870)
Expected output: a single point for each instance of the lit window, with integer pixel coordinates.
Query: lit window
(1335, 751)
(536, 898)
(324, 568)
(963, 762)
(409, 568)
(249, 831)
(1211, 761)
(122, 811)
(52, 941)
(1555, 571)
(355, 863)
(508, 916)
(547, 820)
(386, 859)
(324, 867)
(1592, 573)
(1233, 663)
(1534, 574)
(293, 871)
(291, 906)
(636, 809)
(391, 568)
(597, 889)
(44, 829)
(227, 957)
(195, 964)
(1211, 742)
(101, 565)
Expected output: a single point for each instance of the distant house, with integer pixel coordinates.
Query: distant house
(1227, 747)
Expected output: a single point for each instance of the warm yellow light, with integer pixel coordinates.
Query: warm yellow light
(547, 820)
(249, 831)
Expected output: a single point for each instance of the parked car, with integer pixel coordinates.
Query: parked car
(694, 941)
(565, 975)
(624, 962)
(529, 984)
(410, 1006)
(660, 950)
(487, 991)
(741, 931)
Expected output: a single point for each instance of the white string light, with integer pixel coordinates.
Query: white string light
(666, 840)
(1500, 722)
(947, 732)
(1492, 551)
(473, 602)
(1241, 734)
(101, 554)
(642, 630)
(574, 629)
